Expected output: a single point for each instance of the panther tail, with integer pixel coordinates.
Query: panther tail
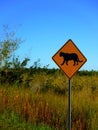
(80, 60)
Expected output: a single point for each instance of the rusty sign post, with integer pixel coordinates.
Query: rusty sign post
(69, 59)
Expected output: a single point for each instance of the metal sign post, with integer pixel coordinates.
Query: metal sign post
(70, 59)
(69, 105)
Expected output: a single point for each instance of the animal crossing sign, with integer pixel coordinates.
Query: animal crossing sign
(69, 58)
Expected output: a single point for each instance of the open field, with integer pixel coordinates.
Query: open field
(43, 105)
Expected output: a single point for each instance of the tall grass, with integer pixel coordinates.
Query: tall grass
(50, 108)
(40, 108)
(84, 110)
(12, 121)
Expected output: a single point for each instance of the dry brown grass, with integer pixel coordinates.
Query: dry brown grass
(51, 109)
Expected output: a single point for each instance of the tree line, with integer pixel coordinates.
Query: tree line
(12, 69)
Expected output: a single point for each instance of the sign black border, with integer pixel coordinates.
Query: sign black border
(78, 50)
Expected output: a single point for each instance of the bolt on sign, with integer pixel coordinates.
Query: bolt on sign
(69, 58)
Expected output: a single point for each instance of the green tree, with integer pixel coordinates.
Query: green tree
(8, 44)
(17, 64)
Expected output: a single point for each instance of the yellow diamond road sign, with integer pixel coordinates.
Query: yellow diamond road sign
(69, 58)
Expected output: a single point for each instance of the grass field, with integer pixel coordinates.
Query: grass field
(11, 121)
(25, 109)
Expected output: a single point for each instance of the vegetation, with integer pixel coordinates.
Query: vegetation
(11, 121)
(36, 98)
(41, 98)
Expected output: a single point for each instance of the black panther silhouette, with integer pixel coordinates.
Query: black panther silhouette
(70, 56)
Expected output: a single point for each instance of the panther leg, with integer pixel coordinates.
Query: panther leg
(74, 63)
(66, 62)
(63, 63)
